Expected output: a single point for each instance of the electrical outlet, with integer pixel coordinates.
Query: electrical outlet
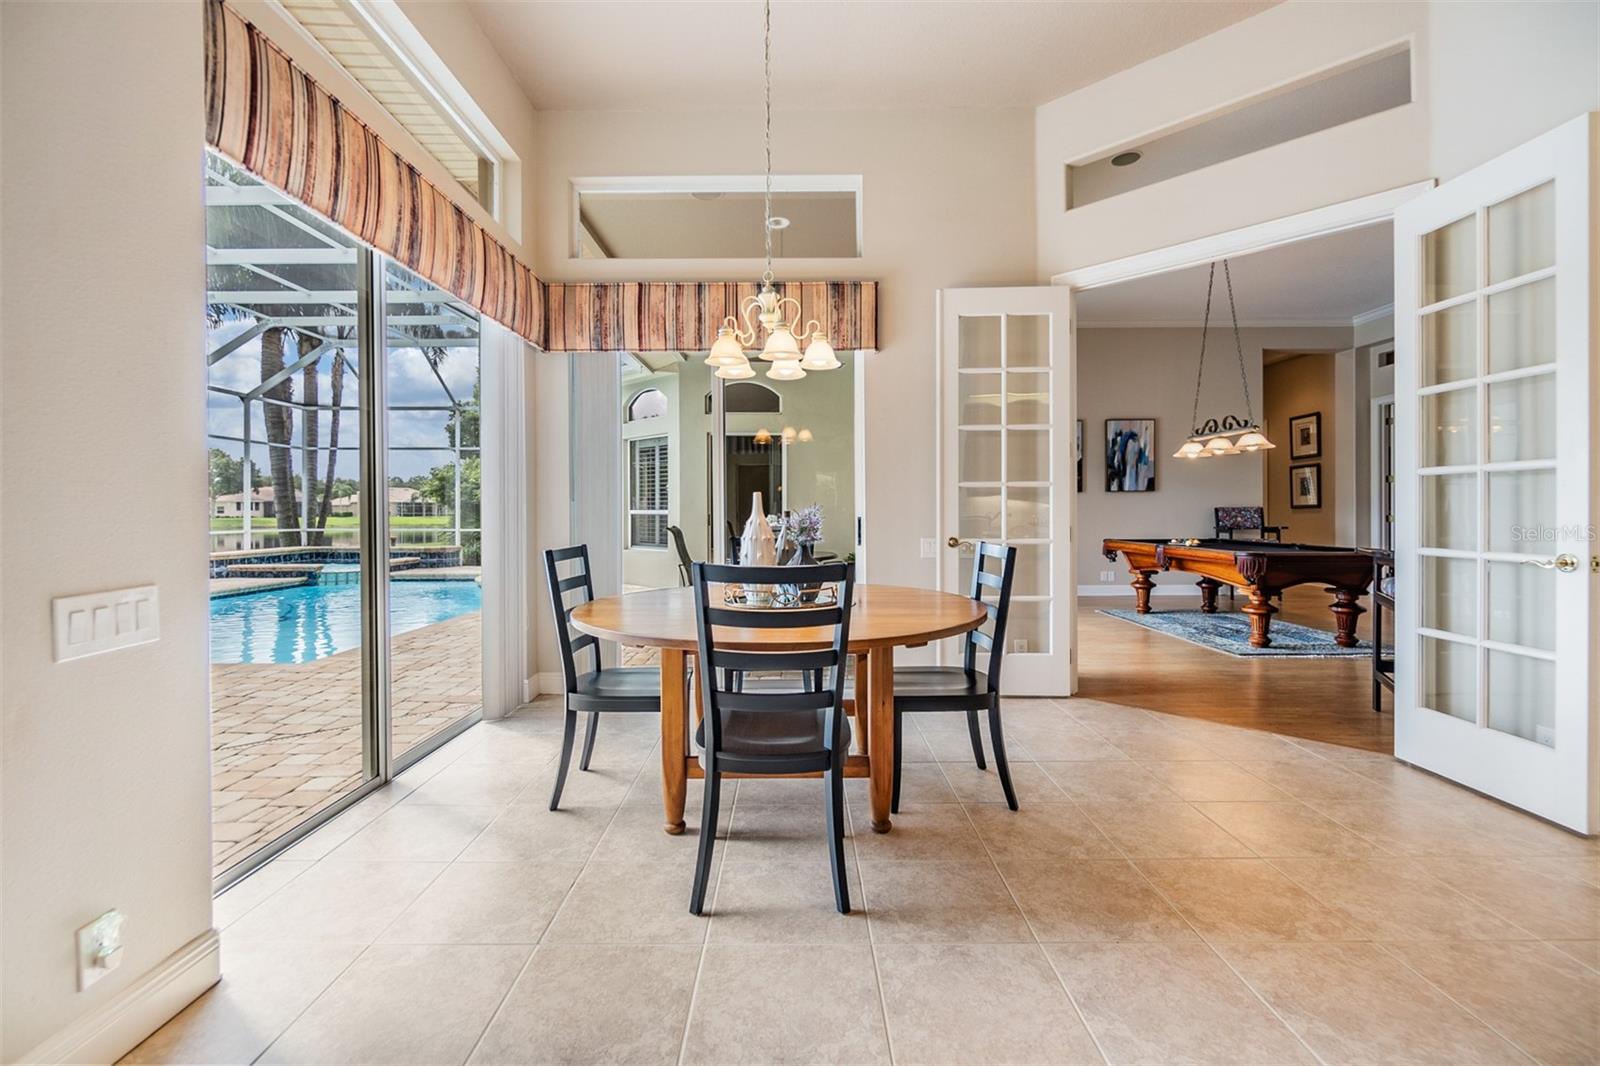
(99, 948)
(1020, 645)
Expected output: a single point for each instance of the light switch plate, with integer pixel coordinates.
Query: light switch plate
(99, 948)
(105, 621)
(929, 551)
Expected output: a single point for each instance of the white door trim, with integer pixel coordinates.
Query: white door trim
(1375, 469)
(1318, 222)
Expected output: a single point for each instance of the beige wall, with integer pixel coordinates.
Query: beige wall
(107, 759)
(1486, 77)
(1149, 373)
(948, 201)
(1296, 386)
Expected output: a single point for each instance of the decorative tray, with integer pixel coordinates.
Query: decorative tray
(782, 598)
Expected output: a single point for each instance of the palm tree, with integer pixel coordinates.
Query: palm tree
(280, 432)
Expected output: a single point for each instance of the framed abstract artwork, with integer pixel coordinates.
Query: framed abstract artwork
(1305, 486)
(1305, 436)
(1130, 455)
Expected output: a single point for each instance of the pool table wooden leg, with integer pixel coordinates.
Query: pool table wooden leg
(1141, 590)
(1260, 610)
(1346, 609)
(1208, 594)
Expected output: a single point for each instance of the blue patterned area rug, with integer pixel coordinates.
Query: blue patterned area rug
(1229, 633)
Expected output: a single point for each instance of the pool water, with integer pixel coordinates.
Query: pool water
(310, 622)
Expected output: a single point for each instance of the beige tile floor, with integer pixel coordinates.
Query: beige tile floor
(1172, 890)
(286, 737)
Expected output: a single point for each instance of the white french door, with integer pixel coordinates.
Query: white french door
(1495, 501)
(1006, 465)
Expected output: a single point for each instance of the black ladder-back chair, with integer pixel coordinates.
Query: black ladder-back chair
(627, 689)
(684, 561)
(965, 687)
(777, 726)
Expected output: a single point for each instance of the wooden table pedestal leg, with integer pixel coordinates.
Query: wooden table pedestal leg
(1208, 594)
(880, 733)
(863, 704)
(674, 738)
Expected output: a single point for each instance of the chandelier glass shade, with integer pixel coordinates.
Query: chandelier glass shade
(1230, 434)
(770, 312)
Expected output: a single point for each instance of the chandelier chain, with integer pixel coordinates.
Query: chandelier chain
(1244, 379)
(1200, 374)
(766, 221)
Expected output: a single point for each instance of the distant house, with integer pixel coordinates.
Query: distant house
(231, 504)
(403, 503)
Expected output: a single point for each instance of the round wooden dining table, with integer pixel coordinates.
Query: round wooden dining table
(882, 618)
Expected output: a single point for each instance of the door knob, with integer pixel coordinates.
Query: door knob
(1564, 562)
(956, 542)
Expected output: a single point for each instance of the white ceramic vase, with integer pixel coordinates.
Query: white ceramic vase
(758, 547)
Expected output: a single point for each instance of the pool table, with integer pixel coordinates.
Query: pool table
(1262, 569)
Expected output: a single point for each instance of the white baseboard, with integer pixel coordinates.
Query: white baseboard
(116, 1027)
(542, 684)
(1127, 590)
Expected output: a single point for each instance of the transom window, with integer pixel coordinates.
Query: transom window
(651, 403)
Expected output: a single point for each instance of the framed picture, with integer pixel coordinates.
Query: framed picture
(1130, 455)
(1305, 436)
(1078, 453)
(1305, 486)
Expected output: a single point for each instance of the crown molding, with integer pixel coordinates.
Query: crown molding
(1373, 315)
(1196, 323)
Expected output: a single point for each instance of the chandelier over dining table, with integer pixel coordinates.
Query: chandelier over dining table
(769, 310)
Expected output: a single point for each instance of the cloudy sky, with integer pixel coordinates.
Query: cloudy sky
(410, 383)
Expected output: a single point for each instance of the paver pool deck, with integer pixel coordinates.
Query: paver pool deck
(286, 737)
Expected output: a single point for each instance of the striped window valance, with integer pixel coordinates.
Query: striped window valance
(673, 316)
(269, 116)
(273, 119)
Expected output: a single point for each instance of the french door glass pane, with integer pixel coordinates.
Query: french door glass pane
(1027, 398)
(1522, 233)
(286, 629)
(435, 536)
(1028, 511)
(1450, 511)
(1450, 595)
(1449, 344)
(1028, 627)
(1450, 424)
(1522, 418)
(1449, 261)
(1522, 507)
(1522, 326)
(1522, 605)
(980, 513)
(1032, 576)
(1522, 696)
(980, 456)
(1450, 678)
(979, 342)
(980, 399)
(1027, 455)
(1027, 340)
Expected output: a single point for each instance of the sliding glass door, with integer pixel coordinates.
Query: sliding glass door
(344, 458)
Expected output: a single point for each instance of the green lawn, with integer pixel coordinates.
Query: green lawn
(223, 525)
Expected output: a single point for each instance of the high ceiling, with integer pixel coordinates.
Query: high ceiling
(1323, 281)
(665, 55)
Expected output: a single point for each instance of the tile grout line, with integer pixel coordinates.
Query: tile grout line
(1208, 945)
(1037, 943)
(705, 941)
(1464, 1008)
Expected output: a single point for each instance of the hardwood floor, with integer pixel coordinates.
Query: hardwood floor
(1317, 699)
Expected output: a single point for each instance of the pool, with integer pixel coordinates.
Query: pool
(309, 622)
